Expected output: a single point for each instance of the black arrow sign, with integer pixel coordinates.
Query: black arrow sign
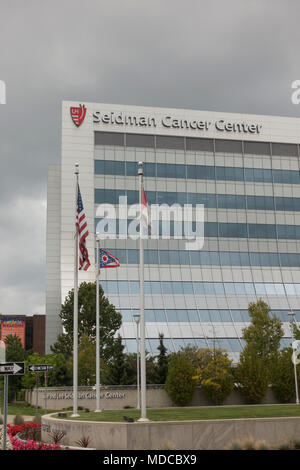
(12, 368)
(39, 367)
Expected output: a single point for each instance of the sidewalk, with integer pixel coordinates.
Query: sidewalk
(10, 418)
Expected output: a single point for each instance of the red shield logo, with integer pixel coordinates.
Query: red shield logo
(78, 114)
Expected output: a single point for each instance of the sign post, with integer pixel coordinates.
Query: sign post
(37, 368)
(5, 403)
(46, 385)
(6, 369)
(2, 358)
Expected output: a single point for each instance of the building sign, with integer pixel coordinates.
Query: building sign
(170, 122)
(83, 395)
(221, 125)
(13, 326)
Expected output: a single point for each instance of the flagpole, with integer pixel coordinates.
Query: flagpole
(75, 313)
(97, 410)
(142, 308)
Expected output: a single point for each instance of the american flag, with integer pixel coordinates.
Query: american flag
(145, 219)
(84, 262)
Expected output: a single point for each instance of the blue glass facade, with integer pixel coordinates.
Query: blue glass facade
(251, 195)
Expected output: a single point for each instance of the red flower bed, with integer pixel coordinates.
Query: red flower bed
(31, 444)
(13, 430)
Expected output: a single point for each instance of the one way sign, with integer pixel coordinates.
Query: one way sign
(39, 367)
(12, 368)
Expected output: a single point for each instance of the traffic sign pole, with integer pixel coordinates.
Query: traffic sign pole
(46, 385)
(37, 368)
(37, 393)
(6, 369)
(5, 411)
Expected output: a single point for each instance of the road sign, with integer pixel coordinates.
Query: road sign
(12, 368)
(39, 367)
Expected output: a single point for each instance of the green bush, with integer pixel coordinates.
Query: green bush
(248, 444)
(214, 374)
(18, 419)
(180, 382)
(252, 376)
(37, 419)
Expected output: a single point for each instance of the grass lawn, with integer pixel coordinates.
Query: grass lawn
(181, 414)
(24, 410)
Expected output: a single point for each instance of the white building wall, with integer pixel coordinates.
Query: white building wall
(53, 281)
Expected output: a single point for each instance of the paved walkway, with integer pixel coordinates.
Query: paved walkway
(10, 418)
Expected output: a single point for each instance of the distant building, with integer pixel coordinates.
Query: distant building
(29, 328)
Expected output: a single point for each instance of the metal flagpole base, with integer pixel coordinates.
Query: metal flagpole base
(143, 420)
(75, 415)
(98, 411)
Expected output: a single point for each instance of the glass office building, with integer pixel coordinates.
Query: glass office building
(244, 169)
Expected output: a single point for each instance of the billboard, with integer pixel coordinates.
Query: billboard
(13, 326)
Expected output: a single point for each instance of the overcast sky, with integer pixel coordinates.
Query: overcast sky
(233, 56)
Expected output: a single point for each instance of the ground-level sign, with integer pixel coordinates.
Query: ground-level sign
(39, 367)
(12, 368)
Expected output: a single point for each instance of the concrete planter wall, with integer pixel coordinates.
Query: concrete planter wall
(183, 435)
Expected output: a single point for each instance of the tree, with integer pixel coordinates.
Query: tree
(86, 361)
(116, 373)
(161, 365)
(283, 378)
(214, 374)
(251, 375)
(110, 320)
(14, 349)
(59, 376)
(262, 337)
(14, 353)
(264, 333)
(180, 382)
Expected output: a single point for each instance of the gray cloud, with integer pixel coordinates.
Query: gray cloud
(233, 56)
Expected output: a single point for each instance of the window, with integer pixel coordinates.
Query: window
(155, 287)
(131, 169)
(193, 316)
(198, 288)
(284, 149)
(109, 138)
(135, 287)
(149, 169)
(160, 316)
(204, 316)
(126, 315)
(150, 316)
(172, 316)
(203, 145)
(228, 146)
(258, 148)
(169, 142)
(140, 140)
